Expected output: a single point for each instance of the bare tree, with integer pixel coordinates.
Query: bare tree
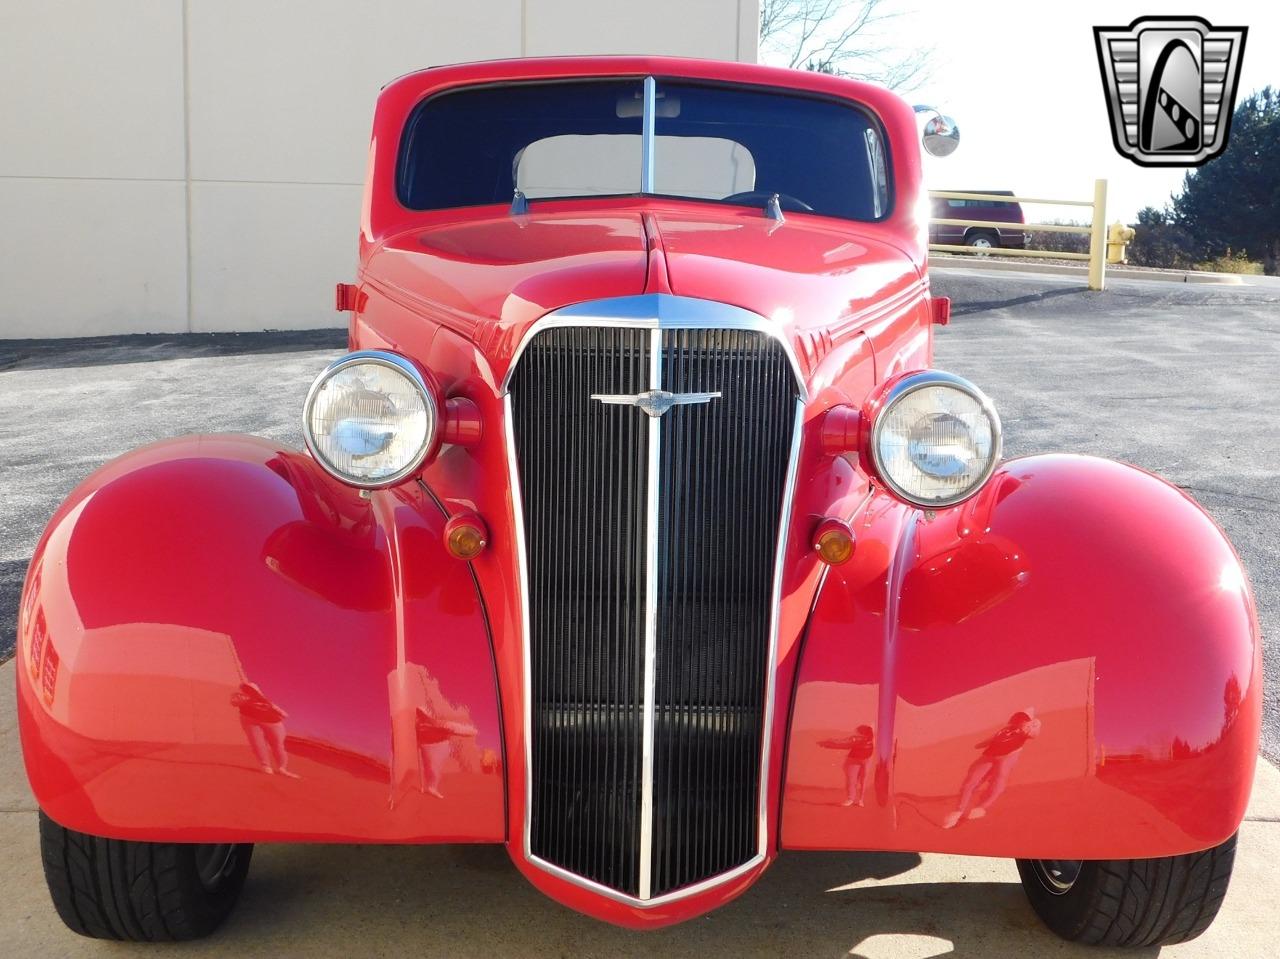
(844, 37)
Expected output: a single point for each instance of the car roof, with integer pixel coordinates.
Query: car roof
(728, 71)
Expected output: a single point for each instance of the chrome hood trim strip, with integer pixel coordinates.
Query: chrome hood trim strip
(661, 311)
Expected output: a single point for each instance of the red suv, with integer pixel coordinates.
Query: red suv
(978, 237)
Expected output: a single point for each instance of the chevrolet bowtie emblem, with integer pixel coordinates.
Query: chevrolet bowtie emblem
(654, 402)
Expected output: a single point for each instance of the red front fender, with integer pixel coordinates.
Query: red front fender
(219, 643)
(1067, 666)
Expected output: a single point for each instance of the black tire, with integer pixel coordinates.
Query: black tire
(140, 891)
(982, 242)
(1130, 902)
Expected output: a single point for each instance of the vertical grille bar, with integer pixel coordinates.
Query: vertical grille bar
(650, 552)
(652, 505)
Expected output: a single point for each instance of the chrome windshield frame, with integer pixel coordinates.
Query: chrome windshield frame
(648, 172)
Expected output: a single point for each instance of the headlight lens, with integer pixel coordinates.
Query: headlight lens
(370, 418)
(936, 439)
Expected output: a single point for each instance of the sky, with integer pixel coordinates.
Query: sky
(1021, 80)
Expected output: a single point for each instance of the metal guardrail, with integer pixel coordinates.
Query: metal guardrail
(1096, 229)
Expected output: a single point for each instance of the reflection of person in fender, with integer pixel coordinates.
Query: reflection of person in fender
(990, 771)
(858, 750)
(435, 735)
(263, 725)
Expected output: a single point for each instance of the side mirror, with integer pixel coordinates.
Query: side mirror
(940, 136)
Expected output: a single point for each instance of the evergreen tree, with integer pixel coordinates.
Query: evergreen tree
(1233, 201)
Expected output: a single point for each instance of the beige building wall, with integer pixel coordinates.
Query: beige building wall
(196, 165)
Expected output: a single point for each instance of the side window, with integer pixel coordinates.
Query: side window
(958, 204)
(879, 173)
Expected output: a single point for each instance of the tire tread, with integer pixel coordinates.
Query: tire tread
(1137, 902)
(131, 891)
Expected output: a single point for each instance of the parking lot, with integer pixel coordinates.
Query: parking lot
(1177, 379)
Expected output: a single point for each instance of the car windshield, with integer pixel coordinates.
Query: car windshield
(716, 143)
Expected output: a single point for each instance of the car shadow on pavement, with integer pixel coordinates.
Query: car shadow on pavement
(470, 901)
(153, 347)
(983, 306)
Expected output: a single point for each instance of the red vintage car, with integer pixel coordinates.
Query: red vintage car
(637, 533)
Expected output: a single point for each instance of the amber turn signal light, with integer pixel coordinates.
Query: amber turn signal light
(833, 542)
(465, 536)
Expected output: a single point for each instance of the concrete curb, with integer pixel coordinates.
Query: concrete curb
(469, 901)
(943, 262)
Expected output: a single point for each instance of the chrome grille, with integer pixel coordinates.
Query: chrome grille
(611, 568)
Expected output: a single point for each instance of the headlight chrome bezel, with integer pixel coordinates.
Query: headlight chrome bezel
(903, 386)
(420, 383)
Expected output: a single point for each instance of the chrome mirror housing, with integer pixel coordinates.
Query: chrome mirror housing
(939, 135)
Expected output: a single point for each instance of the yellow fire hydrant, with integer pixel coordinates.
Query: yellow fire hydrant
(1117, 236)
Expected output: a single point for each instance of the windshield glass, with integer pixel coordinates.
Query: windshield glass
(713, 143)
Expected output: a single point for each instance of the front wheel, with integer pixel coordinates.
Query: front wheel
(140, 891)
(1129, 902)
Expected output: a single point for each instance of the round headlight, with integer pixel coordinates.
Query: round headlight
(370, 418)
(935, 439)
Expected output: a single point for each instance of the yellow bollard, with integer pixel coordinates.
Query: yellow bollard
(1117, 236)
(1098, 236)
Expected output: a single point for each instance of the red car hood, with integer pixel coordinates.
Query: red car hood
(808, 271)
(475, 273)
(491, 278)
